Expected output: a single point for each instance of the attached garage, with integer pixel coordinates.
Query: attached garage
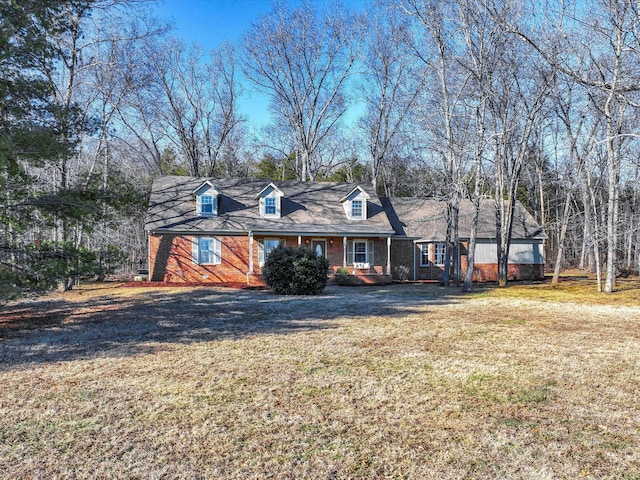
(421, 225)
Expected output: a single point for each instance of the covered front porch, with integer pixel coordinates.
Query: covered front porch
(367, 258)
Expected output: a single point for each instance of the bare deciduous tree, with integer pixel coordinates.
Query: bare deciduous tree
(392, 80)
(303, 60)
(605, 61)
(443, 111)
(480, 39)
(194, 102)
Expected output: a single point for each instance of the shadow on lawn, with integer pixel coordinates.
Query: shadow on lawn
(54, 330)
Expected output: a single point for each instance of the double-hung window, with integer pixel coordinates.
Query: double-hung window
(270, 200)
(206, 205)
(438, 253)
(264, 248)
(356, 208)
(355, 204)
(359, 252)
(270, 207)
(424, 255)
(207, 251)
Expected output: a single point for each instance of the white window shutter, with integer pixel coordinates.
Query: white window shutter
(370, 248)
(260, 252)
(195, 250)
(217, 246)
(350, 252)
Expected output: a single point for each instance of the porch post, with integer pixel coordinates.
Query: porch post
(388, 255)
(250, 252)
(415, 245)
(299, 240)
(344, 252)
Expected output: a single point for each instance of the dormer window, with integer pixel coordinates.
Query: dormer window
(207, 200)
(270, 207)
(270, 200)
(355, 204)
(356, 208)
(206, 205)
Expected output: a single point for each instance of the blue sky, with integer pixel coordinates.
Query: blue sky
(211, 22)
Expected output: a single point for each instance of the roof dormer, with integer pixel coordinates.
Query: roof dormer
(270, 201)
(207, 196)
(355, 204)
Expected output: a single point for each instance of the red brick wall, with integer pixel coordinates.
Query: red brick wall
(488, 272)
(170, 260)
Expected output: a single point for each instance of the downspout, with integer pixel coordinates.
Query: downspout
(149, 270)
(250, 253)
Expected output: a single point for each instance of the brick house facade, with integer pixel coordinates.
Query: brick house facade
(220, 231)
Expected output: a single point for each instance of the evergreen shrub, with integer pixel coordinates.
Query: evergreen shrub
(295, 271)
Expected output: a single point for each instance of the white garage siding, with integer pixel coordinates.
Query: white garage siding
(523, 253)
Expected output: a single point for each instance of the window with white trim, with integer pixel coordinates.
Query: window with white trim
(356, 209)
(361, 252)
(438, 253)
(355, 204)
(424, 255)
(206, 205)
(265, 246)
(207, 251)
(270, 207)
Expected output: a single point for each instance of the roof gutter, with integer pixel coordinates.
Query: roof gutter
(270, 233)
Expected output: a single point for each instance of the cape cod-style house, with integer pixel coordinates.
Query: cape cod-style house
(221, 231)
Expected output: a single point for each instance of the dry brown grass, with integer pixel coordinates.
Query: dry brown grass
(411, 381)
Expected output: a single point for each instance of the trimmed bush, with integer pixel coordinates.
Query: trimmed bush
(295, 271)
(342, 276)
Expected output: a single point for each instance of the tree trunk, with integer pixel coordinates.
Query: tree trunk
(471, 248)
(561, 238)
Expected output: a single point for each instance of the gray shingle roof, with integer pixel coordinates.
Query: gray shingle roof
(316, 208)
(425, 219)
(307, 208)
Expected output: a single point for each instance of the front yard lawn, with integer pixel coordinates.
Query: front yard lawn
(401, 381)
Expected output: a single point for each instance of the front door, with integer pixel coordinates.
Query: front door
(320, 247)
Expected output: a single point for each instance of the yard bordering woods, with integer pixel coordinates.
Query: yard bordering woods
(402, 381)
